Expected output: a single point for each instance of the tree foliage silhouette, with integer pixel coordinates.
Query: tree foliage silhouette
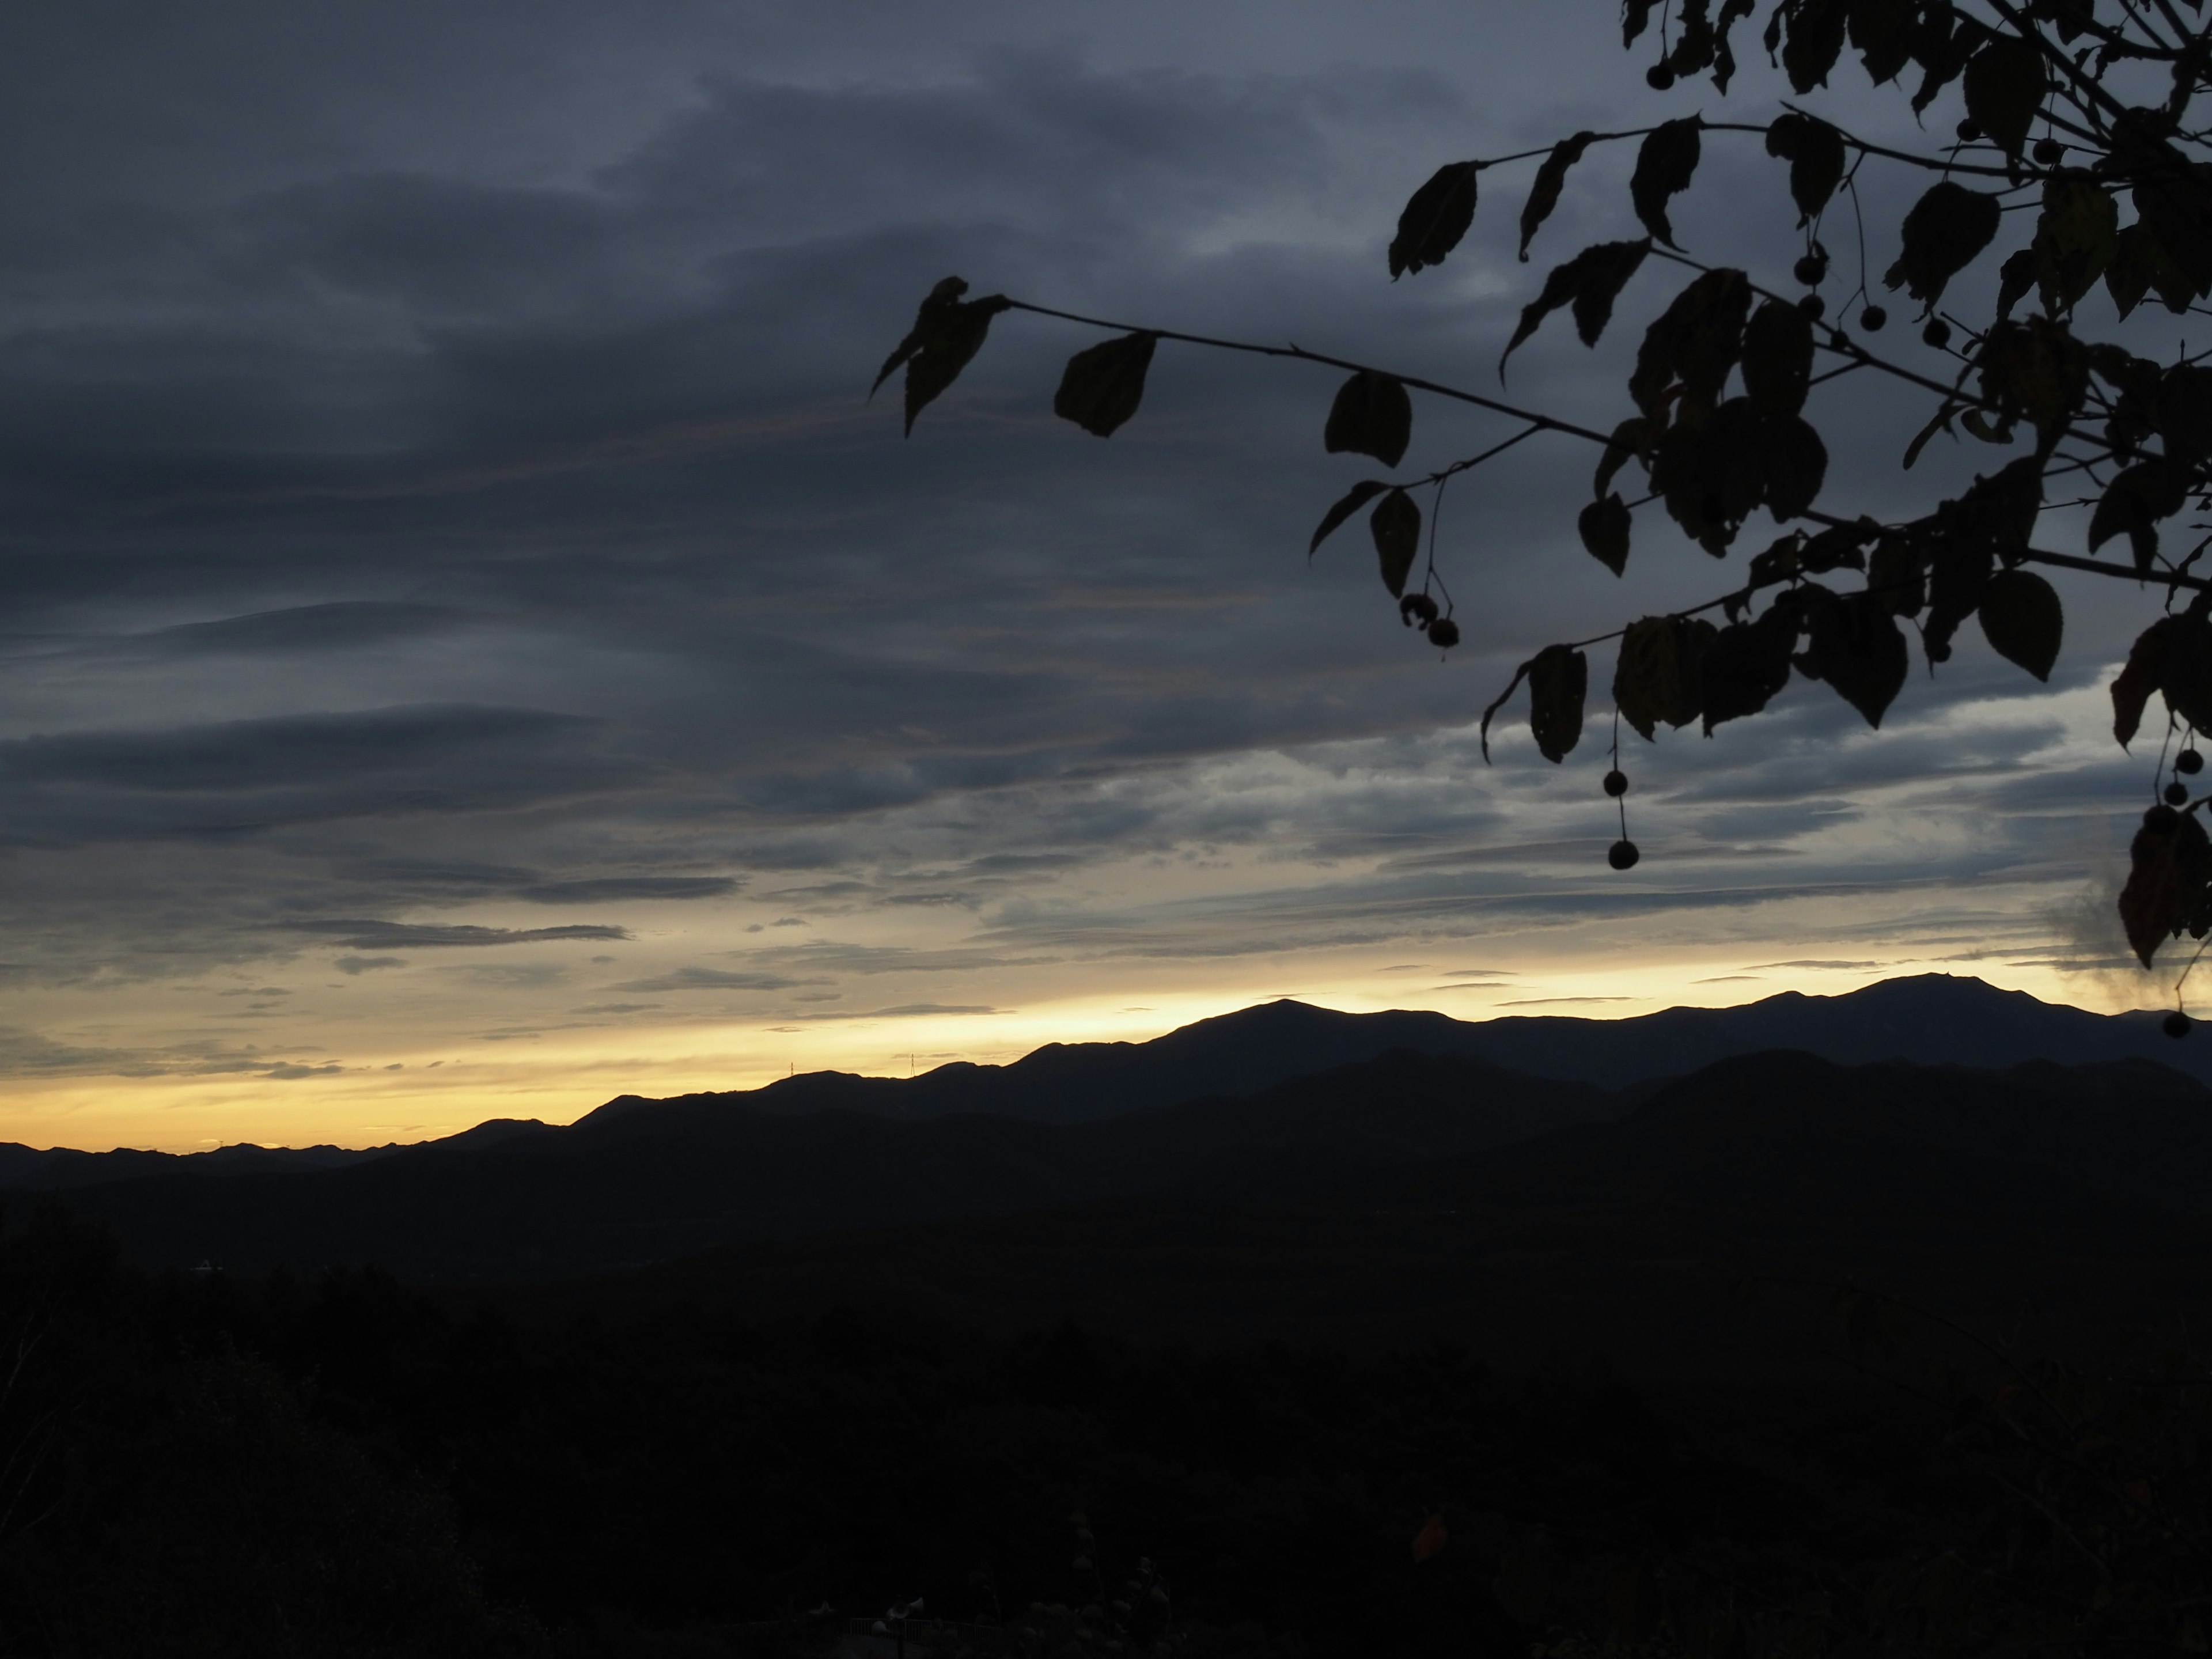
(2076, 114)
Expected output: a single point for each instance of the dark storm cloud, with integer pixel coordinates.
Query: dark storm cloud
(522, 435)
(605, 889)
(346, 625)
(239, 777)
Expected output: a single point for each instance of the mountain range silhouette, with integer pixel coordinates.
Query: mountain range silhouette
(1930, 1114)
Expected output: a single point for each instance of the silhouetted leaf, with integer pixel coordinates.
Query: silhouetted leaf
(1745, 665)
(2174, 203)
(1590, 282)
(947, 334)
(1355, 498)
(2036, 368)
(1635, 17)
(1815, 151)
(1395, 524)
(1816, 38)
(1435, 219)
(1711, 470)
(1732, 13)
(1558, 681)
(1604, 527)
(1657, 676)
(1882, 32)
(2005, 85)
(2015, 278)
(2182, 411)
(1854, 644)
(2023, 621)
(1551, 179)
(1696, 340)
(2166, 866)
(1940, 43)
(1946, 228)
(2133, 505)
(1102, 386)
(1630, 439)
(1663, 166)
(1796, 463)
(2075, 238)
(1372, 416)
(1958, 567)
(1897, 576)
(2172, 656)
(2139, 266)
(1778, 359)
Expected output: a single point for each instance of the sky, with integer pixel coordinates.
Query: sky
(472, 649)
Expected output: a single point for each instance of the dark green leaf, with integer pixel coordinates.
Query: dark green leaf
(1395, 524)
(1853, 643)
(1696, 341)
(2022, 620)
(1745, 665)
(1946, 228)
(1435, 219)
(1604, 527)
(1355, 498)
(2145, 493)
(1882, 32)
(1103, 385)
(1778, 359)
(1663, 166)
(1658, 676)
(1590, 282)
(2005, 86)
(1551, 179)
(1816, 38)
(1815, 151)
(1558, 681)
(1795, 462)
(947, 334)
(1372, 416)
(2167, 863)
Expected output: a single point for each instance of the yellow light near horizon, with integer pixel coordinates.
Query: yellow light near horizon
(450, 1085)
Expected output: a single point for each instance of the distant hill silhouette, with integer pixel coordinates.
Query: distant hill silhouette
(642, 1185)
(1891, 1147)
(1932, 1019)
(33, 1169)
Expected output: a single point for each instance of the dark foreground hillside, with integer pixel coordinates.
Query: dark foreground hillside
(2065, 1202)
(200, 1467)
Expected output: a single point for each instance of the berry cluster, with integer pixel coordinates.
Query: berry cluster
(1419, 611)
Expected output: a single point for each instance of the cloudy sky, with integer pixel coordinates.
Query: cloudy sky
(471, 649)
